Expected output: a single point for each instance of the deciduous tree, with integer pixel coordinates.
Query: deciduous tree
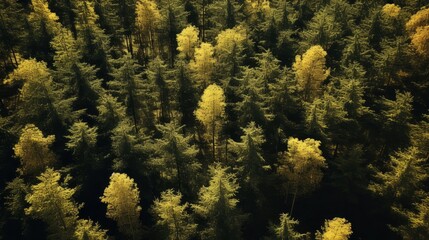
(122, 199)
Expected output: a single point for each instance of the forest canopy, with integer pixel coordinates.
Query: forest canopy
(214, 119)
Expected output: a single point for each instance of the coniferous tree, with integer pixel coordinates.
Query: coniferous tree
(79, 79)
(42, 101)
(122, 199)
(285, 230)
(174, 19)
(93, 42)
(130, 89)
(217, 204)
(175, 158)
(82, 141)
(159, 82)
(147, 21)
(51, 201)
(87, 229)
(173, 216)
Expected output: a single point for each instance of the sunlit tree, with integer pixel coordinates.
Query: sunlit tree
(335, 229)
(122, 199)
(203, 65)
(301, 165)
(310, 71)
(34, 151)
(218, 205)
(210, 112)
(173, 215)
(51, 201)
(187, 41)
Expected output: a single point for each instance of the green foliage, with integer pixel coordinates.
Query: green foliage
(81, 141)
(404, 176)
(15, 202)
(249, 155)
(285, 230)
(217, 204)
(175, 157)
(43, 102)
(173, 215)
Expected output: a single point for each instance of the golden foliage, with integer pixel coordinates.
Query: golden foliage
(33, 150)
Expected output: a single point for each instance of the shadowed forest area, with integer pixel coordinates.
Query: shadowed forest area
(214, 119)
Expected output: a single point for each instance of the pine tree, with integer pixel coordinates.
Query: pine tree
(417, 226)
(158, 79)
(122, 199)
(44, 26)
(186, 97)
(130, 89)
(78, 78)
(404, 177)
(174, 19)
(126, 147)
(335, 229)
(210, 113)
(81, 142)
(42, 101)
(175, 157)
(88, 230)
(310, 71)
(33, 150)
(148, 20)
(15, 203)
(51, 201)
(111, 112)
(93, 42)
(302, 166)
(173, 216)
(252, 108)
(217, 204)
(249, 156)
(285, 230)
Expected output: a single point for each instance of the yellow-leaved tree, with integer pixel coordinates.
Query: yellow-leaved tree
(148, 18)
(51, 201)
(335, 229)
(211, 112)
(302, 166)
(187, 40)
(122, 199)
(418, 27)
(310, 71)
(33, 150)
(203, 64)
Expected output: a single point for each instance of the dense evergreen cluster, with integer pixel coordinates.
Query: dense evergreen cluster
(214, 119)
